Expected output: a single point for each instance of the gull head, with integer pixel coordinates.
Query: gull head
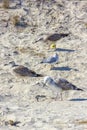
(12, 64)
(48, 80)
(55, 55)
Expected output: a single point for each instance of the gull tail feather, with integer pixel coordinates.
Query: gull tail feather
(39, 75)
(80, 89)
(76, 88)
(64, 35)
(41, 62)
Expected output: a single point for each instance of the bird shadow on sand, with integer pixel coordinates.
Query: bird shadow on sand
(65, 68)
(78, 99)
(65, 50)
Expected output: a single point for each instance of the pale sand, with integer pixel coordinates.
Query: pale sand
(17, 95)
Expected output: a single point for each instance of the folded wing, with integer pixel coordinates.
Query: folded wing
(65, 85)
(49, 60)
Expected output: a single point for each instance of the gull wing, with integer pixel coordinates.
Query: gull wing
(65, 85)
(49, 60)
(24, 71)
(56, 36)
(21, 70)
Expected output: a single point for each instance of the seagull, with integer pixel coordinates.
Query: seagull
(51, 60)
(24, 71)
(60, 85)
(54, 37)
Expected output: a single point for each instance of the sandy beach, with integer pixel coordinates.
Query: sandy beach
(24, 26)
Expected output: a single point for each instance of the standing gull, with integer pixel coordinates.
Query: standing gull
(60, 85)
(51, 60)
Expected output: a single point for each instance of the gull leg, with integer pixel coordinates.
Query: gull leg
(66, 94)
(56, 97)
(61, 96)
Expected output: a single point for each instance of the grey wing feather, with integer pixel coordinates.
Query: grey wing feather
(49, 60)
(23, 71)
(65, 85)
